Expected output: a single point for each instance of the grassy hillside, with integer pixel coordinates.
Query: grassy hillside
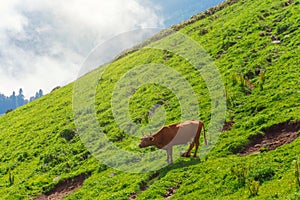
(255, 47)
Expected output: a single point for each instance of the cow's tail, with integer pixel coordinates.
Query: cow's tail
(204, 134)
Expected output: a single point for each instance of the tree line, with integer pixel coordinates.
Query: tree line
(14, 101)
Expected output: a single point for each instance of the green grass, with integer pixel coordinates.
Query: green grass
(40, 145)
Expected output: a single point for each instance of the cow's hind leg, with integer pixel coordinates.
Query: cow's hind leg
(188, 153)
(197, 146)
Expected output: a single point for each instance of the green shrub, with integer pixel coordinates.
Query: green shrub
(296, 196)
(253, 187)
(240, 172)
(11, 178)
(262, 79)
(22, 157)
(68, 134)
(51, 158)
(297, 173)
(261, 173)
(283, 28)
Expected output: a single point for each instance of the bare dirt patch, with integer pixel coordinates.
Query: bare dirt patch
(227, 126)
(273, 137)
(64, 188)
(171, 191)
(133, 196)
(144, 186)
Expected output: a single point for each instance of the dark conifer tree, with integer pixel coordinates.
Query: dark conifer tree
(13, 101)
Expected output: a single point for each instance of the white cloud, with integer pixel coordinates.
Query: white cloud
(11, 20)
(44, 42)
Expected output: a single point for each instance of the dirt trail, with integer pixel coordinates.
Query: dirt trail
(64, 188)
(172, 190)
(275, 136)
(144, 186)
(227, 126)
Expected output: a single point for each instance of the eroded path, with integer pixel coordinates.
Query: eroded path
(64, 188)
(275, 136)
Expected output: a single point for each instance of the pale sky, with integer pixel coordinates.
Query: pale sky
(43, 43)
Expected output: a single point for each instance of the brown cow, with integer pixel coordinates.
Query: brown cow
(175, 134)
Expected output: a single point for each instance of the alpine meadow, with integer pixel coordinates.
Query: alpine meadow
(254, 46)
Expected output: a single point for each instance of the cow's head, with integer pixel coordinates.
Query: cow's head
(146, 141)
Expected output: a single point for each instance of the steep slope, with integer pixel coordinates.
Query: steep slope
(255, 46)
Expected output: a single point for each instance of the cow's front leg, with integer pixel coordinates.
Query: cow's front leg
(169, 155)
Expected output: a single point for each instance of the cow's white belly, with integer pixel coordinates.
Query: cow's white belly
(186, 133)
